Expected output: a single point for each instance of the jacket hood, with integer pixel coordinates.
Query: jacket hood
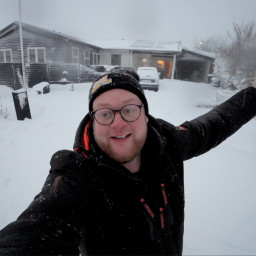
(82, 138)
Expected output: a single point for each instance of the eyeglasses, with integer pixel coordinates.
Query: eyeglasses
(106, 116)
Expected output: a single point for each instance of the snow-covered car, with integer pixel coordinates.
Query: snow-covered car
(214, 80)
(149, 78)
(89, 74)
(102, 68)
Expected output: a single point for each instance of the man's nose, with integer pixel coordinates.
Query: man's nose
(118, 120)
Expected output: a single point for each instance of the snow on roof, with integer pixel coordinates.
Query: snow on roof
(143, 45)
(146, 45)
(206, 54)
(15, 24)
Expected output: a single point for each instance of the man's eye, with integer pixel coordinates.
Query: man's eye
(128, 110)
(105, 114)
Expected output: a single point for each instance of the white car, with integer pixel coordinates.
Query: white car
(149, 78)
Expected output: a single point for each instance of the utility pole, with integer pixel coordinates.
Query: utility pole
(21, 98)
(22, 51)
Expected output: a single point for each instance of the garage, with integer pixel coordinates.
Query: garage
(193, 65)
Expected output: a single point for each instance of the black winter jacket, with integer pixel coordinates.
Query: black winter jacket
(92, 205)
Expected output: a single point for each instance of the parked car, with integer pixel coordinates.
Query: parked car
(89, 74)
(102, 68)
(214, 80)
(149, 78)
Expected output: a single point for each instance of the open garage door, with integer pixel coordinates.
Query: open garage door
(194, 71)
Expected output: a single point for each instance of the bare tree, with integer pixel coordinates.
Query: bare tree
(211, 44)
(241, 52)
(244, 35)
(238, 50)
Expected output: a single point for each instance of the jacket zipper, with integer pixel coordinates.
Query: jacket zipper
(56, 184)
(150, 212)
(161, 209)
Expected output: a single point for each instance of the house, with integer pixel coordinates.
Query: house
(52, 56)
(48, 55)
(170, 58)
(160, 54)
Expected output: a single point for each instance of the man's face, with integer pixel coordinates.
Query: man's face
(121, 140)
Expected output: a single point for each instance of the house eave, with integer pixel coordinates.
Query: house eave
(8, 29)
(146, 46)
(137, 50)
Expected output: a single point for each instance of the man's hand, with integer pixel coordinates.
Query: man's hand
(254, 82)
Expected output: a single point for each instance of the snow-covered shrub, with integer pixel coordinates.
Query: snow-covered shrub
(3, 112)
(236, 58)
(240, 54)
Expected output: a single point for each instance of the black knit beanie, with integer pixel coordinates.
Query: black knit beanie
(119, 78)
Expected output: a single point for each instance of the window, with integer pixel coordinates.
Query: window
(36, 54)
(95, 58)
(116, 59)
(75, 55)
(5, 55)
(2, 57)
(86, 58)
(40, 55)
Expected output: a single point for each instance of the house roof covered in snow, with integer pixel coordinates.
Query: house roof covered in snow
(149, 45)
(164, 46)
(206, 54)
(48, 32)
(145, 45)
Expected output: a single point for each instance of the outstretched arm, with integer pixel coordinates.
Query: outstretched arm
(254, 82)
(209, 130)
(50, 225)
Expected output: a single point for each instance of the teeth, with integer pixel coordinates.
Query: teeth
(121, 137)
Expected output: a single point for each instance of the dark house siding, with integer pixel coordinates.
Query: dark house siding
(36, 73)
(58, 48)
(58, 56)
(11, 41)
(17, 76)
(6, 76)
(56, 72)
(11, 74)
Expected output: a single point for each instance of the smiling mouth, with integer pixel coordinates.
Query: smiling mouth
(121, 137)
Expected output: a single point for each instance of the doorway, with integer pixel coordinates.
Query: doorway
(168, 69)
(165, 68)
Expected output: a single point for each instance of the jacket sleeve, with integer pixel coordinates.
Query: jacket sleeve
(51, 223)
(209, 130)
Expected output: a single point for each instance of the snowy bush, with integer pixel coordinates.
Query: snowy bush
(236, 61)
(3, 112)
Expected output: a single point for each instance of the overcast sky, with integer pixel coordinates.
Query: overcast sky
(176, 20)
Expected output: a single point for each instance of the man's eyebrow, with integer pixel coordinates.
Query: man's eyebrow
(125, 102)
(103, 105)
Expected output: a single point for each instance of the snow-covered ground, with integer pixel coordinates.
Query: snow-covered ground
(219, 186)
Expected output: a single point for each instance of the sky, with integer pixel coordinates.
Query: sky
(188, 21)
